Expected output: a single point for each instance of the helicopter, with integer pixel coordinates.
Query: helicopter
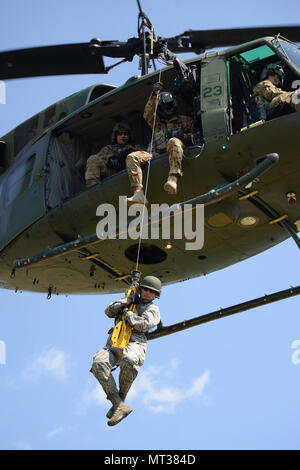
(53, 247)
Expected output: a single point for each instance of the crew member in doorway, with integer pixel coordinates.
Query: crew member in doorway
(171, 133)
(111, 158)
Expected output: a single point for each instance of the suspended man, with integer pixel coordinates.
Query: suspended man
(145, 318)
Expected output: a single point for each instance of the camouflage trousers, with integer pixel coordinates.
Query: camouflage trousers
(104, 360)
(136, 160)
(95, 165)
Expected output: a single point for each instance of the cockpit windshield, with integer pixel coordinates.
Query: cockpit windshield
(293, 52)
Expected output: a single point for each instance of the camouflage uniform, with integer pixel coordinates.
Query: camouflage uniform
(97, 166)
(161, 143)
(268, 96)
(147, 317)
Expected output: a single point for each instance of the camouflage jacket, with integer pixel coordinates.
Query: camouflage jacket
(268, 96)
(110, 151)
(147, 316)
(165, 129)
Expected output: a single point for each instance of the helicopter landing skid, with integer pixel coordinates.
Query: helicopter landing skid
(266, 299)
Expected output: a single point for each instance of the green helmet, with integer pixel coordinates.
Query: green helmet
(153, 283)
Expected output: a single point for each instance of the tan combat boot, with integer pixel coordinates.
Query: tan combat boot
(110, 389)
(116, 400)
(171, 185)
(137, 198)
(113, 408)
(121, 411)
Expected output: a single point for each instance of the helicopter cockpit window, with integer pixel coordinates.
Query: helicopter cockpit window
(292, 51)
(244, 73)
(19, 180)
(257, 54)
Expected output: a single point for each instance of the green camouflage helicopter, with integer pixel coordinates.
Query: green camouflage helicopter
(244, 170)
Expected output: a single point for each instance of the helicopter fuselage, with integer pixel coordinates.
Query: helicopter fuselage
(44, 202)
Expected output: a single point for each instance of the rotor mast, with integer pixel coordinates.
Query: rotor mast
(143, 23)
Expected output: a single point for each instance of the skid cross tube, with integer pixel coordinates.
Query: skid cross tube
(224, 312)
(213, 196)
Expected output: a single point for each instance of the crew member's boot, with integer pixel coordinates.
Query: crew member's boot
(138, 197)
(171, 184)
(175, 152)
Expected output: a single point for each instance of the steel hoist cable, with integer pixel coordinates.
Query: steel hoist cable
(147, 178)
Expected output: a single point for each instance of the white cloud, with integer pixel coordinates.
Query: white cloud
(160, 398)
(198, 385)
(52, 363)
(153, 388)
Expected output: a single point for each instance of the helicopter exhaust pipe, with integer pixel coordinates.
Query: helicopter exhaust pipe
(266, 299)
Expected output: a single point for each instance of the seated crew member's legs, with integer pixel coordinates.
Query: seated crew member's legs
(134, 162)
(94, 166)
(175, 152)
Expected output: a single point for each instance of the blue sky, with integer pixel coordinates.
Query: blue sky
(229, 384)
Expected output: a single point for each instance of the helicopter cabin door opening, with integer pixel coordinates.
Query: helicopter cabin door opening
(244, 73)
(89, 129)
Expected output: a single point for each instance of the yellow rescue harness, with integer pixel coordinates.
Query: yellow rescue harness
(122, 331)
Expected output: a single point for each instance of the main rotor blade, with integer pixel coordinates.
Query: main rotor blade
(50, 60)
(64, 59)
(201, 40)
(84, 58)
